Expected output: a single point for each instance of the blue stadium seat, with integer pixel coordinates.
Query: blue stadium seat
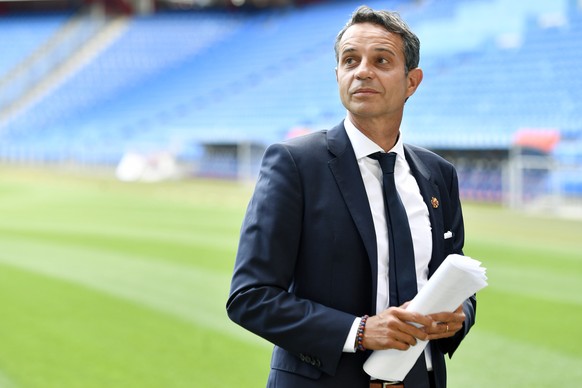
(186, 78)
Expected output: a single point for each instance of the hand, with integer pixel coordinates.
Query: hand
(445, 324)
(395, 328)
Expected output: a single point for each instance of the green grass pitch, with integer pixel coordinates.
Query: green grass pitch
(105, 284)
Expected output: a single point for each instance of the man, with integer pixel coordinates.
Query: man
(313, 259)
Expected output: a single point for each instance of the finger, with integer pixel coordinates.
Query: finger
(451, 328)
(406, 327)
(414, 318)
(402, 341)
(438, 328)
(410, 334)
(448, 317)
(441, 316)
(399, 316)
(443, 330)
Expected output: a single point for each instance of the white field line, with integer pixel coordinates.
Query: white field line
(193, 294)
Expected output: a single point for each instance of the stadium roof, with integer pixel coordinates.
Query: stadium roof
(138, 6)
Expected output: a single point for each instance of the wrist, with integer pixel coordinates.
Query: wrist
(360, 334)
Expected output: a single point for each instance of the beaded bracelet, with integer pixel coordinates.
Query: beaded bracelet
(360, 335)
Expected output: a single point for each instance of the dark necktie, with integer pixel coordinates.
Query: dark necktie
(401, 268)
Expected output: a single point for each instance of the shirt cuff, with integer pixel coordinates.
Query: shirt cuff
(350, 344)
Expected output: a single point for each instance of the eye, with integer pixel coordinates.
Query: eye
(349, 61)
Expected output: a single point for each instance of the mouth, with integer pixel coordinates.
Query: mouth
(365, 92)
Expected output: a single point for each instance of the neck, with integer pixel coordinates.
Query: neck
(381, 132)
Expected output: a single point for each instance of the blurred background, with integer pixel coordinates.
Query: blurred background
(131, 132)
(159, 89)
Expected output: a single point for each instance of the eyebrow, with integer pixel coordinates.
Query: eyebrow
(377, 49)
(386, 50)
(348, 50)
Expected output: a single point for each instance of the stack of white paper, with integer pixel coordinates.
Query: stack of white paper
(457, 278)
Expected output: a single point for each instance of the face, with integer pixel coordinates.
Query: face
(371, 73)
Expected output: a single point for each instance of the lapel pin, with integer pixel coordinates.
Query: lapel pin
(434, 202)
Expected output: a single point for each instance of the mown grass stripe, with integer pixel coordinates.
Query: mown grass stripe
(203, 249)
(548, 284)
(5, 382)
(491, 359)
(552, 325)
(60, 334)
(506, 230)
(191, 293)
(86, 237)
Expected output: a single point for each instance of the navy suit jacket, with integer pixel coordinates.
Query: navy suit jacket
(306, 265)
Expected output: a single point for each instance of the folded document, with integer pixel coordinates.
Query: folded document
(457, 278)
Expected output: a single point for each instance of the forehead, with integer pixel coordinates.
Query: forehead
(368, 35)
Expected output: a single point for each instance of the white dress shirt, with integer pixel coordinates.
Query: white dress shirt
(416, 211)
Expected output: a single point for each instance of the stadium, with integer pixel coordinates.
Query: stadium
(131, 133)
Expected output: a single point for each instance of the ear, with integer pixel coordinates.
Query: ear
(414, 79)
(337, 80)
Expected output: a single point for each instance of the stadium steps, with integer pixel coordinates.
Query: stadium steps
(26, 34)
(70, 48)
(22, 73)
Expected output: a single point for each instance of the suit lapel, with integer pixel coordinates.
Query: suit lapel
(349, 180)
(431, 195)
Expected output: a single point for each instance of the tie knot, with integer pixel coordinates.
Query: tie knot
(386, 160)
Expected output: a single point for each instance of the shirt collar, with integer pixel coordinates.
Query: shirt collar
(364, 146)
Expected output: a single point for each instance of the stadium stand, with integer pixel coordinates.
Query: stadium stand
(26, 34)
(192, 82)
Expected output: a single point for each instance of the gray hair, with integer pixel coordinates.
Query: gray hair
(392, 22)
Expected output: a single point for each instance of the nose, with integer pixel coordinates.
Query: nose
(364, 71)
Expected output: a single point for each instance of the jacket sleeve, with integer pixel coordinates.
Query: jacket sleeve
(261, 298)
